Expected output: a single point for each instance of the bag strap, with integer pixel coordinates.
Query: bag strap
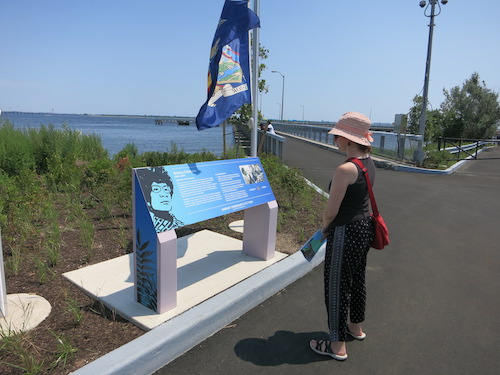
(360, 164)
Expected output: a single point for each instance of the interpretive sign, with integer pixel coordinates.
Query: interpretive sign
(184, 194)
(169, 197)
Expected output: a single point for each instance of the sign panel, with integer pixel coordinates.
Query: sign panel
(183, 194)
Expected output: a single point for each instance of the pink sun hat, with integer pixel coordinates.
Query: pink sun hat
(353, 126)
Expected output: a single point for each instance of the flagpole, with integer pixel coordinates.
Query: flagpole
(224, 138)
(255, 83)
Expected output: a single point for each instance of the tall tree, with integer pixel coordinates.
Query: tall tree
(243, 115)
(433, 128)
(471, 111)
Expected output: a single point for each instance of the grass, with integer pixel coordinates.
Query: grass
(28, 358)
(24, 352)
(20, 346)
(65, 351)
(43, 270)
(74, 309)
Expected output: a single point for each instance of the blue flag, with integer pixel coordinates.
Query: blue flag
(229, 69)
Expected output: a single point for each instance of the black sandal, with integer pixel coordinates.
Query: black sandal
(327, 349)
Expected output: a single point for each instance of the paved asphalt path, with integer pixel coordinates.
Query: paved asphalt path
(433, 302)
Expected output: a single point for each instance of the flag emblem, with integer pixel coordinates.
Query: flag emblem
(229, 68)
(230, 80)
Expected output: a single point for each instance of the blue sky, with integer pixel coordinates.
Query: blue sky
(151, 57)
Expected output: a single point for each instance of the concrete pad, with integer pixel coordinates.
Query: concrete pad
(24, 312)
(208, 263)
(237, 226)
(156, 348)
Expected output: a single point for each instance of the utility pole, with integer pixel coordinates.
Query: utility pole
(419, 155)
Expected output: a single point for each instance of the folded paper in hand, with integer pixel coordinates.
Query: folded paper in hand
(311, 247)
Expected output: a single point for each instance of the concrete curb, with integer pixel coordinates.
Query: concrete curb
(453, 168)
(156, 348)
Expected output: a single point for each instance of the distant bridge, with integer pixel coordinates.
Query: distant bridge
(379, 126)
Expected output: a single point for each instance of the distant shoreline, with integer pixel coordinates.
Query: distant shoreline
(98, 115)
(190, 118)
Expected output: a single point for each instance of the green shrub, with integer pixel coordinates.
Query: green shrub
(90, 148)
(129, 151)
(7, 188)
(176, 157)
(96, 173)
(287, 183)
(20, 200)
(438, 159)
(15, 151)
(59, 154)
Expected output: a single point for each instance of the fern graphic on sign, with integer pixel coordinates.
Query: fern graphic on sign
(146, 275)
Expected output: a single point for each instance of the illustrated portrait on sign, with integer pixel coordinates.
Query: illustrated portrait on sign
(158, 190)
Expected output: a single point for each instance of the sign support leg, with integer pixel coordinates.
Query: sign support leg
(259, 235)
(167, 271)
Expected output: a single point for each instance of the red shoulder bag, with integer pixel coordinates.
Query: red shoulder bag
(381, 237)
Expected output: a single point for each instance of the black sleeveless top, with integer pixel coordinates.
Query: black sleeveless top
(356, 202)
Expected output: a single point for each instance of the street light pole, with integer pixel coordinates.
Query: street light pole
(419, 154)
(282, 92)
(302, 112)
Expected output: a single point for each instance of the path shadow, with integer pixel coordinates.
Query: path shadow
(283, 347)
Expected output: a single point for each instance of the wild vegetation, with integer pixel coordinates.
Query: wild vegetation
(470, 111)
(65, 204)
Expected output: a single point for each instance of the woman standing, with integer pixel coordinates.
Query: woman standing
(348, 228)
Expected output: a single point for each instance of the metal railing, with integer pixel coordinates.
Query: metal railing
(266, 142)
(312, 132)
(460, 146)
(270, 144)
(395, 146)
(392, 145)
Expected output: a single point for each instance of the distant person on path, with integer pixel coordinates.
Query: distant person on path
(348, 228)
(158, 190)
(270, 127)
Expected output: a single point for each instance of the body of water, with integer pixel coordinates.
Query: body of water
(116, 131)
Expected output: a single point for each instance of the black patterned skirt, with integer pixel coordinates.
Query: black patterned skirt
(344, 275)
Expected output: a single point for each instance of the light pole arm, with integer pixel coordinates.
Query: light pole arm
(282, 97)
(282, 92)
